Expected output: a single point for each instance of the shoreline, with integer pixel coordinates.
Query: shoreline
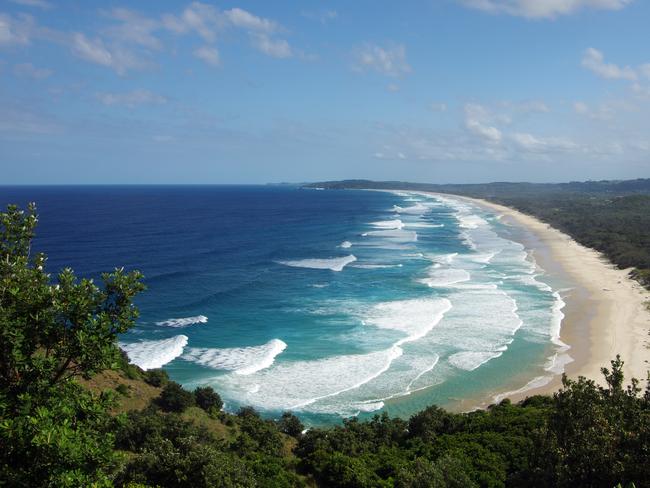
(604, 314)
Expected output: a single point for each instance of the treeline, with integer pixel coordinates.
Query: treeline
(585, 435)
(58, 336)
(612, 217)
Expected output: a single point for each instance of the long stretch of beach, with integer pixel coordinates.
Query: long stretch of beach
(606, 311)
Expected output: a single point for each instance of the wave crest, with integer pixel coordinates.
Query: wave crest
(334, 264)
(155, 354)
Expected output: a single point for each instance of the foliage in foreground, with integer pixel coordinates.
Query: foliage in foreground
(54, 432)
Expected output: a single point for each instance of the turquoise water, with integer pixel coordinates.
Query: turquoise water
(327, 303)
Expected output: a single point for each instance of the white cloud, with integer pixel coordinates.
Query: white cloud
(131, 99)
(244, 19)
(390, 60)
(594, 61)
(277, 48)
(477, 121)
(535, 144)
(208, 22)
(542, 9)
(198, 17)
(438, 107)
(208, 54)
(33, 3)
(96, 51)
(28, 70)
(15, 30)
(134, 28)
(392, 87)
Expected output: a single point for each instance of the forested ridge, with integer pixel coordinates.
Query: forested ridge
(612, 217)
(74, 412)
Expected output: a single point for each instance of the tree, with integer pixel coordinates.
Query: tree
(208, 399)
(174, 398)
(53, 431)
(291, 425)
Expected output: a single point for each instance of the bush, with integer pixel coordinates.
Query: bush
(208, 399)
(122, 389)
(174, 398)
(156, 377)
(290, 424)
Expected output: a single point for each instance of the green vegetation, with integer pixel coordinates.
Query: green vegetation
(62, 425)
(612, 217)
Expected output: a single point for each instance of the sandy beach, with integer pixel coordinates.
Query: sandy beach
(605, 312)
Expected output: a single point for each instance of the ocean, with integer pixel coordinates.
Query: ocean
(328, 303)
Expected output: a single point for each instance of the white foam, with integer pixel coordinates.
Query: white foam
(155, 354)
(441, 277)
(471, 221)
(334, 264)
(417, 209)
(345, 245)
(397, 234)
(471, 360)
(183, 322)
(423, 225)
(388, 224)
(414, 317)
(376, 266)
(315, 385)
(241, 360)
(536, 382)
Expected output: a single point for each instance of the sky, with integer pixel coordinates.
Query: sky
(442, 91)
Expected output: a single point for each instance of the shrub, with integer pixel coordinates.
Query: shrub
(290, 424)
(122, 389)
(208, 399)
(156, 377)
(174, 398)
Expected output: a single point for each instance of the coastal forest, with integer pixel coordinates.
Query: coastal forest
(74, 412)
(612, 217)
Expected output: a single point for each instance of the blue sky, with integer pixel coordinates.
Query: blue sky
(259, 91)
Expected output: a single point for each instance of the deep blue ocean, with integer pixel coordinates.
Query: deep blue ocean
(327, 303)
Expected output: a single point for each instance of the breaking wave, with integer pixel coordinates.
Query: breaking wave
(334, 264)
(241, 360)
(183, 322)
(155, 354)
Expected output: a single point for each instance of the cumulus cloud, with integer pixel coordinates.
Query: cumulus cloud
(133, 28)
(203, 19)
(389, 60)
(542, 9)
(28, 70)
(244, 19)
(208, 22)
(131, 99)
(477, 122)
(594, 61)
(115, 57)
(208, 54)
(276, 48)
